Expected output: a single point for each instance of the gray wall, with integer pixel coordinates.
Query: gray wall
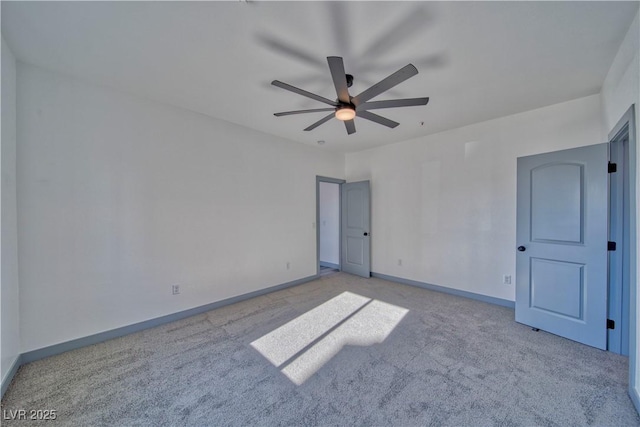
(9, 294)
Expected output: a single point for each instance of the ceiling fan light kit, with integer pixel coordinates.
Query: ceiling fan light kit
(345, 113)
(347, 107)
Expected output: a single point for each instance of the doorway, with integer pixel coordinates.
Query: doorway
(328, 204)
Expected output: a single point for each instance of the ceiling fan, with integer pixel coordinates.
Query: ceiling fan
(347, 107)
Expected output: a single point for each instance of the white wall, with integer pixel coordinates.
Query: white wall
(446, 204)
(329, 222)
(121, 197)
(9, 318)
(621, 87)
(620, 90)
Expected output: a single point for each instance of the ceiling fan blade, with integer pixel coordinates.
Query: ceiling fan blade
(321, 121)
(351, 126)
(336, 65)
(392, 103)
(315, 110)
(408, 27)
(303, 92)
(289, 50)
(394, 79)
(432, 60)
(340, 17)
(376, 118)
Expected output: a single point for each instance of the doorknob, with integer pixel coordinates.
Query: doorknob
(522, 248)
(366, 234)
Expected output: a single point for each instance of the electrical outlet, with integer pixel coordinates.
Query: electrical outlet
(506, 279)
(400, 262)
(288, 265)
(175, 289)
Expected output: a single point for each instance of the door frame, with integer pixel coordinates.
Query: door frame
(619, 221)
(320, 179)
(627, 123)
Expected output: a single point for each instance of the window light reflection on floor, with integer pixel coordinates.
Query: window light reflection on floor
(303, 345)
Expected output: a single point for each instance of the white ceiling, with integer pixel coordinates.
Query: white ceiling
(476, 60)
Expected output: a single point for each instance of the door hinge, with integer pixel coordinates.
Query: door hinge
(611, 246)
(613, 167)
(611, 324)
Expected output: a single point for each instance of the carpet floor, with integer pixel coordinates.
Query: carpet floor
(340, 350)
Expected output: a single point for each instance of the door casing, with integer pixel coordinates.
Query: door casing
(628, 121)
(619, 301)
(320, 179)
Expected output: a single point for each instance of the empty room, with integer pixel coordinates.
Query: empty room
(320, 213)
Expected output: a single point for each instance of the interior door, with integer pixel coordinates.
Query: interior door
(562, 226)
(356, 226)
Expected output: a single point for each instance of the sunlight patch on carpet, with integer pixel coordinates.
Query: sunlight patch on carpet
(305, 344)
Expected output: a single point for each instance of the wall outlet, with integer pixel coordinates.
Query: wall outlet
(288, 265)
(400, 262)
(506, 279)
(175, 289)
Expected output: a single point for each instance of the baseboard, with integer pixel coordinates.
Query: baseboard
(635, 398)
(32, 356)
(457, 292)
(10, 374)
(329, 265)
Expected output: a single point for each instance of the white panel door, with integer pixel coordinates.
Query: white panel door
(562, 231)
(356, 241)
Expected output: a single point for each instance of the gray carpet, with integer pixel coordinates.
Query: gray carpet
(324, 271)
(449, 361)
